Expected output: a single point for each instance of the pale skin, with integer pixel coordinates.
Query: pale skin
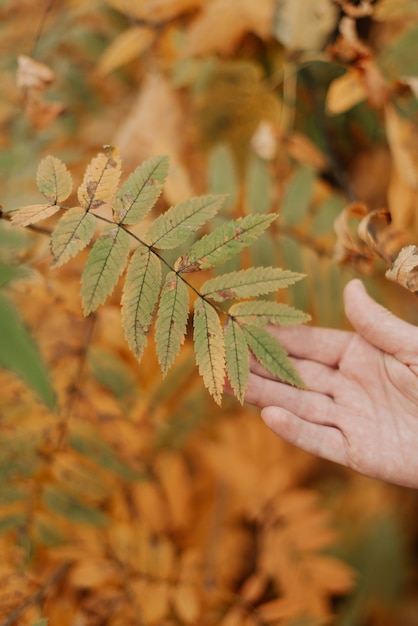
(360, 408)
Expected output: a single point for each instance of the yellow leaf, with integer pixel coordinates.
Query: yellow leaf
(186, 603)
(153, 598)
(176, 483)
(345, 92)
(152, 509)
(222, 23)
(101, 179)
(33, 213)
(92, 573)
(155, 10)
(125, 48)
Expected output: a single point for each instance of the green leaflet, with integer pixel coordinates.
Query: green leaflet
(209, 348)
(104, 265)
(140, 191)
(71, 508)
(173, 313)
(72, 233)
(139, 299)
(271, 354)
(264, 312)
(237, 358)
(54, 180)
(177, 224)
(100, 180)
(224, 242)
(298, 196)
(254, 281)
(19, 353)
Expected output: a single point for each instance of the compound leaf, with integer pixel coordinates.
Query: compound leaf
(237, 358)
(101, 179)
(265, 312)
(140, 191)
(224, 243)
(209, 347)
(252, 282)
(271, 354)
(139, 298)
(177, 224)
(104, 265)
(54, 180)
(72, 233)
(173, 313)
(33, 213)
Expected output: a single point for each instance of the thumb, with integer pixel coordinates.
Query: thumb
(379, 326)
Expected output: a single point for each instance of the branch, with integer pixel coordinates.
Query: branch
(39, 595)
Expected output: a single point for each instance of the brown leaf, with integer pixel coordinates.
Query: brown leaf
(350, 249)
(405, 269)
(375, 230)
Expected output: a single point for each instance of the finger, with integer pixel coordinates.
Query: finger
(316, 376)
(325, 345)
(310, 405)
(324, 441)
(379, 326)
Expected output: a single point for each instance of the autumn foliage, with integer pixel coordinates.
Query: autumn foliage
(176, 176)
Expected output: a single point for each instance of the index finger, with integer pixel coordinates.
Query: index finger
(324, 345)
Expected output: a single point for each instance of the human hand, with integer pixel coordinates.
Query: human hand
(360, 408)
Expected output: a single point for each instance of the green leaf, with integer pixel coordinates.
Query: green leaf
(224, 242)
(222, 174)
(67, 505)
(13, 521)
(54, 180)
(40, 622)
(101, 179)
(88, 442)
(400, 58)
(271, 354)
(113, 372)
(252, 282)
(18, 352)
(140, 191)
(259, 185)
(8, 273)
(104, 265)
(72, 234)
(176, 225)
(33, 213)
(139, 298)
(298, 195)
(237, 358)
(173, 313)
(209, 347)
(326, 214)
(264, 312)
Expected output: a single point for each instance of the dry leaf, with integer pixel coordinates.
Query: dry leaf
(383, 239)
(93, 573)
(125, 48)
(345, 92)
(33, 75)
(154, 10)
(186, 602)
(155, 126)
(222, 23)
(404, 270)
(349, 247)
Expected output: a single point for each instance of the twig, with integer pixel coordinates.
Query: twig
(41, 26)
(38, 596)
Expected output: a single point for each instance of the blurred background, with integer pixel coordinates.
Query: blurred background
(138, 500)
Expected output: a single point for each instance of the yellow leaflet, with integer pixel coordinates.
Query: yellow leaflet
(101, 179)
